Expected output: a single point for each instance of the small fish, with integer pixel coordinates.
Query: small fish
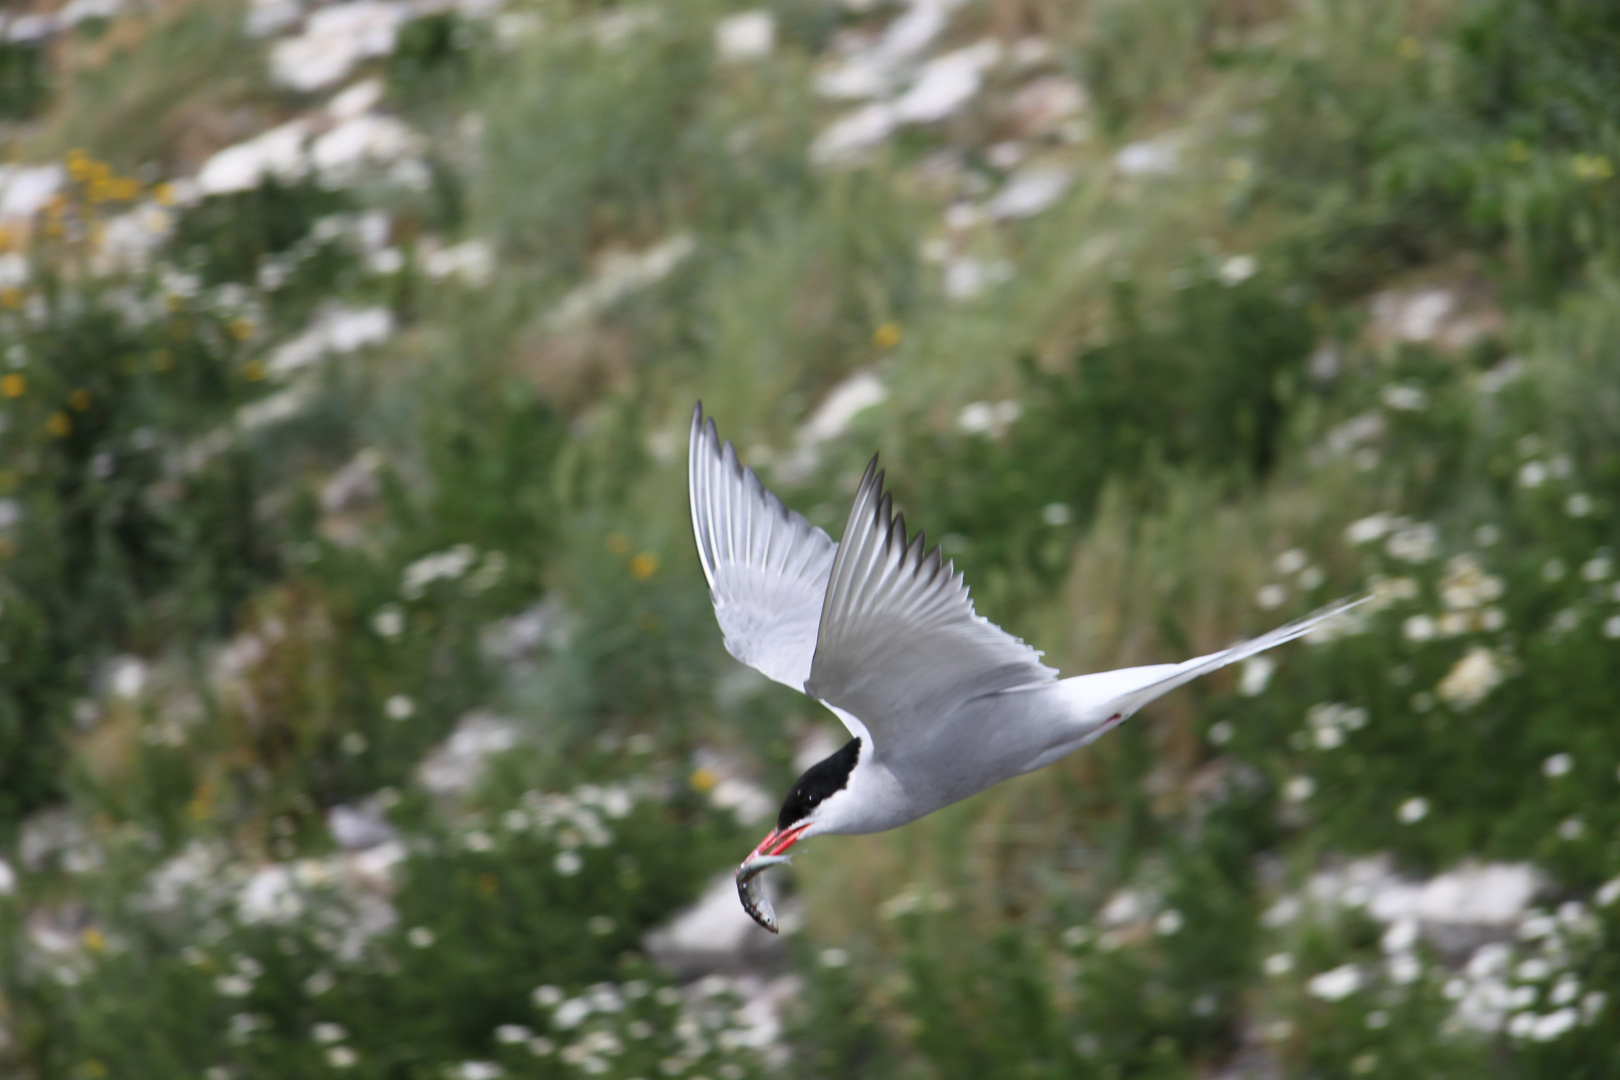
(752, 893)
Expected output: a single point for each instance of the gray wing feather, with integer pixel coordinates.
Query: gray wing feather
(900, 645)
(767, 566)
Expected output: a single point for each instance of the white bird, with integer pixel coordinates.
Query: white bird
(940, 702)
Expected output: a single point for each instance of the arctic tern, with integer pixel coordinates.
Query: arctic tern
(940, 702)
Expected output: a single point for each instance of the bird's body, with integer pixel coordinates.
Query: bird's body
(940, 702)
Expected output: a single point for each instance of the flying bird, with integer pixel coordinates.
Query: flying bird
(940, 702)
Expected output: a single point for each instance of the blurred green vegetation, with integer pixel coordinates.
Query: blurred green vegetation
(312, 481)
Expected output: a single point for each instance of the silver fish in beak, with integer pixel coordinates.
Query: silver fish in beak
(752, 893)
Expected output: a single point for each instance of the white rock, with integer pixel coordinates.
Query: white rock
(267, 17)
(619, 275)
(1044, 103)
(335, 39)
(338, 329)
(340, 154)
(1146, 159)
(277, 153)
(459, 761)
(845, 401)
(715, 933)
(946, 83)
(25, 189)
(359, 826)
(855, 133)
(1029, 192)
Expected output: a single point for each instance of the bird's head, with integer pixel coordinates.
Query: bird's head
(813, 805)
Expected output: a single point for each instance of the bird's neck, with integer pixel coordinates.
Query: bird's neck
(872, 801)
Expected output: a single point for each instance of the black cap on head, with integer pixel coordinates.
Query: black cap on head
(819, 781)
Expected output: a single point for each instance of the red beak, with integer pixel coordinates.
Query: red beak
(777, 842)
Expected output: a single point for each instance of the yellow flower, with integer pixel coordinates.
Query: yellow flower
(79, 399)
(241, 329)
(703, 779)
(253, 370)
(886, 336)
(14, 385)
(163, 194)
(58, 425)
(93, 939)
(78, 164)
(1409, 48)
(11, 297)
(1591, 167)
(644, 566)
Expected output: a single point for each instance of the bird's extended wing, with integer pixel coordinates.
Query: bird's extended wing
(767, 566)
(900, 646)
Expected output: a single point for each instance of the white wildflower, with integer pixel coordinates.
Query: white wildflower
(1366, 530)
(1471, 678)
(389, 621)
(1405, 969)
(1256, 675)
(328, 1033)
(1578, 505)
(1299, 788)
(834, 958)
(1270, 597)
(747, 35)
(1278, 964)
(1558, 765)
(1289, 562)
(399, 707)
(1414, 544)
(1532, 474)
(1554, 1025)
(1404, 397)
(420, 937)
(567, 863)
(571, 1013)
(1419, 628)
(1413, 810)
(1467, 586)
(341, 1057)
(1335, 985)
(510, 1034)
